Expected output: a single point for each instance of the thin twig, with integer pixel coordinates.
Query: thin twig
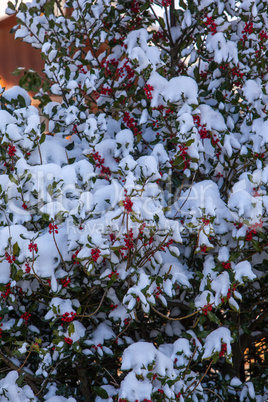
(115, 382)
(213, 392)
(61, 257)
(174, 319)
(124, 330)
(27, 357)
(46, 380)
(198, 381)
(186, 197)
(188, 365)
(95, 312)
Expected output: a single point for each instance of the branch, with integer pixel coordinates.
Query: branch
(95, 312)
(174, 319)
(30, 379)
(196, 385)
(27, 357)
(259, 320)
(213, 392)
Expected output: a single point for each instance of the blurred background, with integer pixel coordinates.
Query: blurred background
(14, 53)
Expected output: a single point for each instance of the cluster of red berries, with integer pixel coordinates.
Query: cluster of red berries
(25, 318)
(250, 233)
(206, 221)
(68, 317)
(207, 308)
(7, 291)
(263, 35)
(96, 347)
(226, 265)
(257, 225)
(229, 294)
(24, 206)
(95, 253)
(69, 341)
(74, 256)
(158, 292)
(112, 237)
(135, 7)
(32, 247)
(106, 91)
(128, 239)
(148, 91)
(105, 171)
(235, 72)
(210, 23)
(53, 228)
(155, 123)
(113, 274)
(256, 192)
(203, 249)
(113, 306)
(183, 151)
(238, 225)
(27, 268)
(248, 30)
(141, 229)
(158, 36)
(65, 282)
(10, 259)
(168, 111)
(203, 74)
(136, 400)
(151, 240)
(223, 349)
(107, 63)
(128, 204)
(160, 391)
(126, 70)
(166, 245)
(11, 150)
(261, 156)
(82, 69)
(166, 3)
(130, 123)
(202, 131)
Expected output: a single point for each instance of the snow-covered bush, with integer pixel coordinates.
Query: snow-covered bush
(133, 236)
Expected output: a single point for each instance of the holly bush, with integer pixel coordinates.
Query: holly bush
(133, 203)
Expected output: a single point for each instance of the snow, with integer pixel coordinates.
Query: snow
(12, 392)
(223, 50)
(223, 254)
(181, 88)
(132, 389)
(243, 270)
(221, 285)
(215, 339)
(111, 260)
(141, 354)
(5, 119)
(251, 90)
(211, 118)
(235, 382)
